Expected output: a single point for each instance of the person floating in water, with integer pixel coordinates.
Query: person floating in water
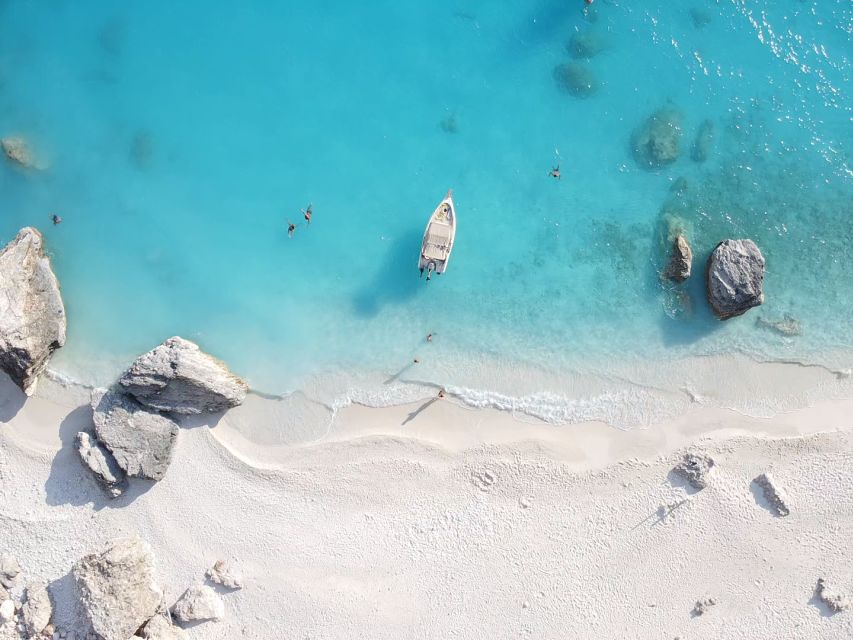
(308, 212)
(291, 229)
(555, 172)
(429, 337)
(56, 219)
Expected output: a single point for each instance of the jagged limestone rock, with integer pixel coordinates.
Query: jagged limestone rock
(102, 463)
(735, 278)
(199, 602)
(178, 377)
(32, 316)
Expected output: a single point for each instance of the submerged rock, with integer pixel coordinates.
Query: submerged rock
(102, 463)
(836, 602)
(680, 260)
(772, 494)
(223, 573)
(700, 17)
(17, 150)
(10, 571)
(159, 628)
(694, 469)
(7, 611)
(735, 278)
(656, 143)
(199, 602)
(32, 316)
(37, 609)
(449, 124)
(704, 142)
(586, 44)
(178, 377)
(576, 79)
(788, 325)
(118, 591)
(140, 440)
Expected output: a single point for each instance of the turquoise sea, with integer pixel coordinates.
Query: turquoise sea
(179, 138)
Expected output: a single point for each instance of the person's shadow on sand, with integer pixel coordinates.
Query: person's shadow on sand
(70, 482)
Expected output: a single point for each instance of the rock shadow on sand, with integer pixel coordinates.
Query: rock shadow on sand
(12, 399)
(69, 482)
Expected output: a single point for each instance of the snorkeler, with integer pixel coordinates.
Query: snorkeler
(429, 337)
(291, 229)
(555, 172)
(56, 219)
(307, 213)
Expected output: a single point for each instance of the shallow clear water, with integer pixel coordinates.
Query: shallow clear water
(181, 138)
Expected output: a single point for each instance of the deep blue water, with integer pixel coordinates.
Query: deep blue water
(179, 139)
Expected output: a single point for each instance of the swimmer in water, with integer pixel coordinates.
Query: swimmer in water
(291, 229)
(307, 213)
(429, 337)
(555, 172)
(56, 219)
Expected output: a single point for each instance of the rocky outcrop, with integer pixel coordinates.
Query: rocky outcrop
(10, 571)
(159, 628)
(118, 590)
(32, 316)
(223, 573)
(657, 142)
(37, 609)
(140, 440)
(703, 144)
(735, 278)
(680, 260)
(576, 79)
(199, 602)
(178, 377)
(835, 602)
(102, 463)
(694, 469)
(774, 497)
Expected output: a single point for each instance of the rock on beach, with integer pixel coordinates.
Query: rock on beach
(178, 377)
(735, 278)
(32, 315)
(199, 602)
(102, 463)
(118, 590)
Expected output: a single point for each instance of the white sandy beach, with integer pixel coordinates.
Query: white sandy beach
(459, 524)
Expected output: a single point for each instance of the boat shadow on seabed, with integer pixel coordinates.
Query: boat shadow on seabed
(395, 280)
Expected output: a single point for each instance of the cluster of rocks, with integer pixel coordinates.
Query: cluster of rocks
(702, 607)
(834, 601)
(772, 494)
(26, 609)
(32, 318)
(576, 77)
(136, 421)
(656, 142)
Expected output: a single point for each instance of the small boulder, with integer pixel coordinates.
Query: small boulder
(576, 79)
(702, 607)
(836, 602)
(178, 377)
(118, 590)
(37, 609)
(140, 440)
(159, 628)
(586, 44)
(775, 498)
(102, 463)
(224, 574)
(10, 571)
(694, 469)
(703, 144)
(32, 316)
(680, 260)
(199, 602)
(735, 278)
(657, 142)
(7, 611)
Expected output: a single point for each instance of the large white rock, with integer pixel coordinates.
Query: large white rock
(32, 316)
(10, 571)
(179, 377)
(140, 440)
(735, 278)
(102, 463)
(118, 591)
(199, 602)
(37, 609)
(159, 628)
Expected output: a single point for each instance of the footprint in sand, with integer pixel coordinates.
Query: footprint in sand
(483, 480)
